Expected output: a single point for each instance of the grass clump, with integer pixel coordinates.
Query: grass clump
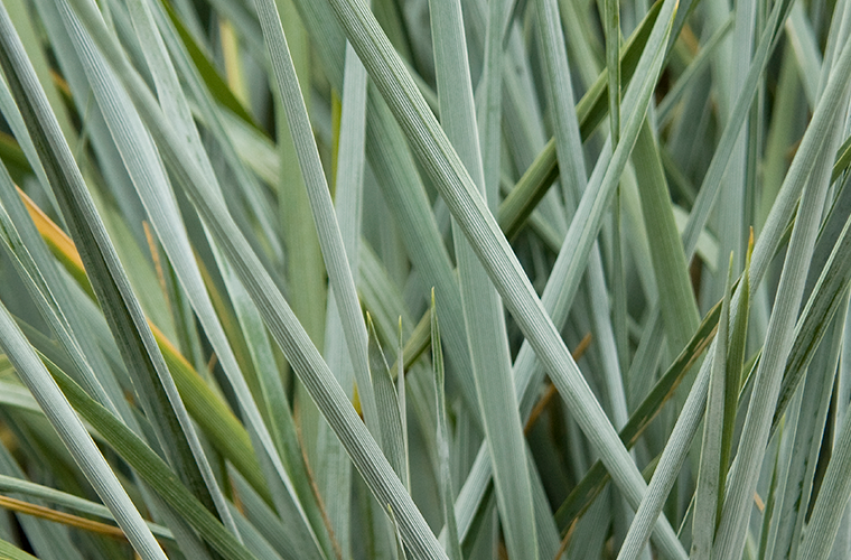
(481, 279)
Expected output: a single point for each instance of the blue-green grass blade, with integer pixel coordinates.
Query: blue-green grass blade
(832, 499)
(483, 313)
(447, 170)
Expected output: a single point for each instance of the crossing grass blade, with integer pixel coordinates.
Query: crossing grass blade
(709, 488)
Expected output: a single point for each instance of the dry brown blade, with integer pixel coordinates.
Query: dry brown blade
(49, 514)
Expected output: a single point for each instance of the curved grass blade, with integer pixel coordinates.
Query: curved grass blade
(574, 183)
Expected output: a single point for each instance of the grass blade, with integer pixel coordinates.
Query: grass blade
(709, 490)
(483, 313)
(453, 547)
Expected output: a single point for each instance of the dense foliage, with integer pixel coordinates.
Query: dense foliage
(300, 279)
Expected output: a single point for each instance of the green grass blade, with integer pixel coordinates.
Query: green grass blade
(161, 205)
(735, 375)
(843, 159)
(389, 411)
(670, 263)
(12, 552)
(215, 83)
